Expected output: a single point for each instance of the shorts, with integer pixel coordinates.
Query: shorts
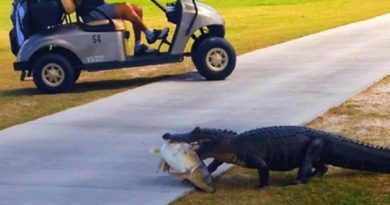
(108, 9)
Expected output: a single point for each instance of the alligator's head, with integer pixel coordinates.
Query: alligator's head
(205, 141)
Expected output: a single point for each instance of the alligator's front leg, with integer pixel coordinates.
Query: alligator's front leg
(262, 169)
(214, 165)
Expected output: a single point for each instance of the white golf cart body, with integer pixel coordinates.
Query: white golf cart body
(88, 48)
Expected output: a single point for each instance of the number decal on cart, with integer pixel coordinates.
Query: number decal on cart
(96, 39)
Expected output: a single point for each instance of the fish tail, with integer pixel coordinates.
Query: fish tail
(198, 179)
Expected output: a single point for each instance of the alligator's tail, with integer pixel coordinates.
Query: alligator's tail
(357, 155)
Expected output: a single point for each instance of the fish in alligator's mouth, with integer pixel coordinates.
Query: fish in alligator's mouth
(180, 159)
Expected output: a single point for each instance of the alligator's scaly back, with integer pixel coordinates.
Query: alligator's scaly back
(219, 133)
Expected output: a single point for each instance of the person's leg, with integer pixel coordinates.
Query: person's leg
(128, 12)
(134, 14)
(138, 46)
(137, 30)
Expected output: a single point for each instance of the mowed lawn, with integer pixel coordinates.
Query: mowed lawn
(251, 24)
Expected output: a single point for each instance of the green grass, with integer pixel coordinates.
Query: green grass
(251, 24)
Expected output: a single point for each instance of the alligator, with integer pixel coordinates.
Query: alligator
(284, 148)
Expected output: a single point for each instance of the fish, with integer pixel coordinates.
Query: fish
(180, 160)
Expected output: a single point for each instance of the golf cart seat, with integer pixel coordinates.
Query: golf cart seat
(120, 25)
(99, 25)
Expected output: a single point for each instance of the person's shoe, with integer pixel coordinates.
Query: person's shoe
(158, 34)
(144, 50)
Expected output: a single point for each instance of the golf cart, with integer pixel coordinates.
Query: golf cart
(56, 55)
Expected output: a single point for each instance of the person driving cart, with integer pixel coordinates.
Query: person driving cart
(131, 12)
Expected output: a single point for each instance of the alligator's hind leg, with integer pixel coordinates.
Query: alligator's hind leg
(320, 169)
(313, 153)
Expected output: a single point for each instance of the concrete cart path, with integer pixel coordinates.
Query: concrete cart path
(98, 153)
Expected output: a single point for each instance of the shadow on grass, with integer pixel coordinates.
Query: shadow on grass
(89, 86)
(114, 84)
(20, 92)
(83, 87)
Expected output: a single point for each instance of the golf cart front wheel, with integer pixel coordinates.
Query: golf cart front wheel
(53, 73)
(215, 58)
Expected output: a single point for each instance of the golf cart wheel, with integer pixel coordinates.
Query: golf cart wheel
(196, 44)
(53, 73)
(215, 58)
(76, 74)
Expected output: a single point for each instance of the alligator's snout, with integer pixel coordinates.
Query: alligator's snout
(166, 136)
(178, 137)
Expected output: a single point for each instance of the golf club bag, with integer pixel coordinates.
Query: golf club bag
(31, 16)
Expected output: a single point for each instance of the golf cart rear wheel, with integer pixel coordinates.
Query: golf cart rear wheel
(53, 73)
(215, 58)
